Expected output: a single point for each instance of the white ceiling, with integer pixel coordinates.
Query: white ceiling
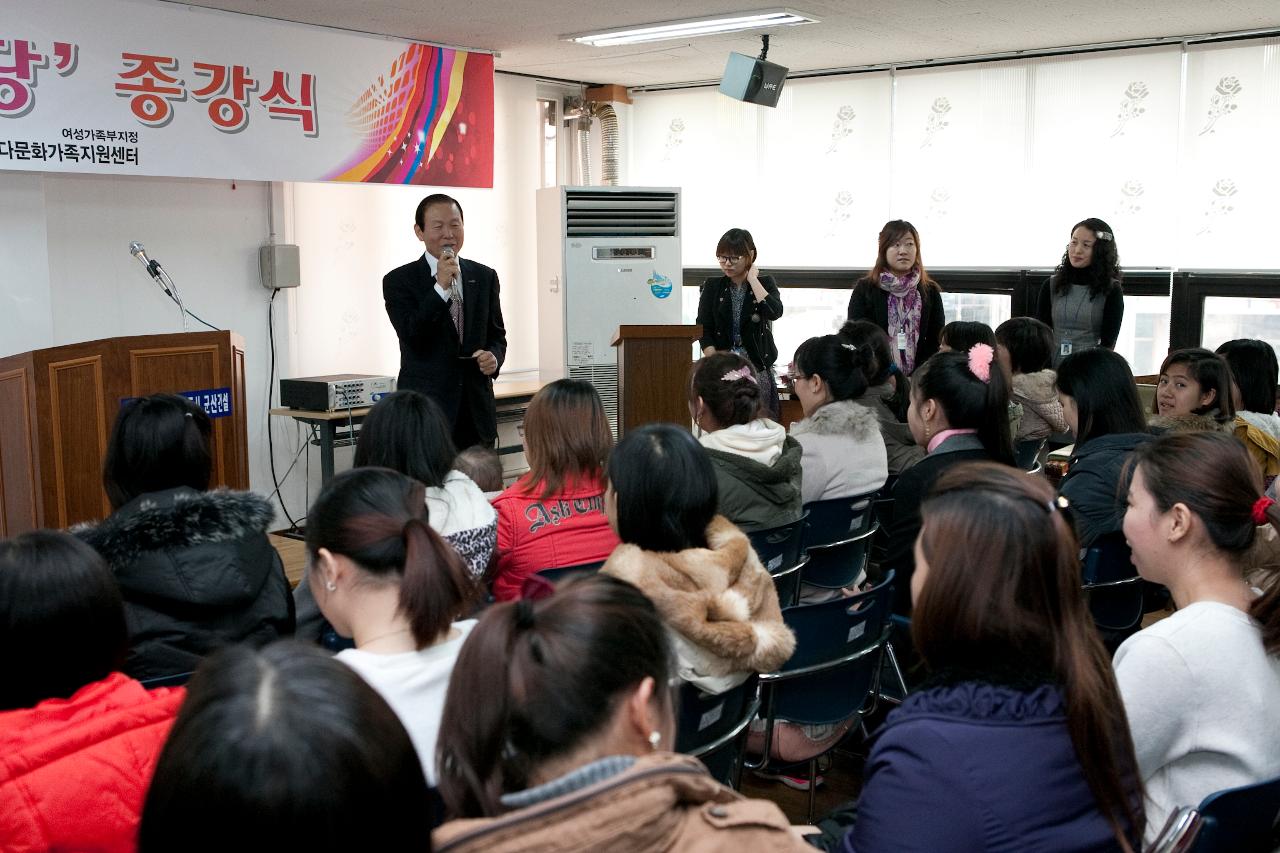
(851, 32)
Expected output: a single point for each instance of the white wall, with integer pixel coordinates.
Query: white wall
(66, 274)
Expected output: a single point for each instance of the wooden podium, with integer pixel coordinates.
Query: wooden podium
(653, 374)
(57, 407)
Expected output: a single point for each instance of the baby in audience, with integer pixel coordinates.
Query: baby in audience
(699, 569)
(1018, 739)
(567, 750)
(78, 738)
(285, 749)
(1201, 687)
(384, 577)
(756, 463)
(1193, 394)
(484, 466)
(553, 516)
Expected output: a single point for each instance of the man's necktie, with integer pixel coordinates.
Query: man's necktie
(455, 310)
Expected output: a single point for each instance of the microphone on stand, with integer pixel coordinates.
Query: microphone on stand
(153, 267)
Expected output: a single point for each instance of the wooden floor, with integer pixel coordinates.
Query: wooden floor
(841, 784)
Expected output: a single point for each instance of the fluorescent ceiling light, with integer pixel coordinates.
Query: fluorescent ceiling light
(732, 22)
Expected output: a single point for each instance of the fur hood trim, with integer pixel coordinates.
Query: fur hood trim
(842, 417)
(1169, 424)
(1038, 387)
(720, 599)
(177, 519)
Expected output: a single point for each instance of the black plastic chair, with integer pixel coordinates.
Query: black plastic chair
(713, 727)
(834, 673)
(779, 547)
(839, 565)
(1237, 820)
(1026, 453)
(787, 583)
(176, 680)
(838, 519)
(1116, 594)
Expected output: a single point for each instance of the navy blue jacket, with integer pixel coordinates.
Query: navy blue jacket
(974, 767)
(1092, 484)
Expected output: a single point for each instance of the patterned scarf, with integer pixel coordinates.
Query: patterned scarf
(904, 315)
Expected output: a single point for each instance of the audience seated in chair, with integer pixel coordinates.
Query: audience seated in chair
(554, 515)
(888, 393)
(700, 571)
(384, 577)
(1018, 739)
(484, 466)
(407, 432)
(284, 748)
(959, 413)
(1201, 687)
(78, 738)
(843, 453)
(1253, 391)
(568, 752)
(756, 463)
(195, 566)
(1193, 394)
(1024, 348)
(1101, 406)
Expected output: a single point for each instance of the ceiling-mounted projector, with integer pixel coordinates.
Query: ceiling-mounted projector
(753, 80)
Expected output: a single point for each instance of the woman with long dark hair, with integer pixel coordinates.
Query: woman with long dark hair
(284, 748)
(553, 516)
(1101, 407)
(1254, 376)
(194, 565)
(737, 311)
(1083, 301)
(1193, 393)
(899, 297)
(568, 749)
(959, 413)
(1018, 739)
(888, 394)
(383, 576)
(1201, 687)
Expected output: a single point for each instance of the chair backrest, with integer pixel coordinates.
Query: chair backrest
(837, 519)
(713, 727)
(1026, 452)
(833, 672)
(840, 564)
(779, 547)
(1240, 820)
(1112, 584)
(560, 574)
(176, 680)
(787, 583)
(1178, 833)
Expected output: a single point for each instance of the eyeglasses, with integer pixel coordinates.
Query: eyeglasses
(728, 260)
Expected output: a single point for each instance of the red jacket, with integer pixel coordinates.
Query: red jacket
(535, 533)
(74, 772)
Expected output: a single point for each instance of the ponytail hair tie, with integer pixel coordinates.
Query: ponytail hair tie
(743, 372)
(524, 614)
(1260, 507)
(980, 356)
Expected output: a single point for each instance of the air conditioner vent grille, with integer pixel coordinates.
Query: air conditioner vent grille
(621, 214)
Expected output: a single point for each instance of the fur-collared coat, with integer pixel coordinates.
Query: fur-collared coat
(844, 454)
(1041, 412)
(1170, 424)
(719, 603)
(196, 571)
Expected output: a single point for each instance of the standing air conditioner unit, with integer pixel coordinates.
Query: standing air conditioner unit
(607, 256)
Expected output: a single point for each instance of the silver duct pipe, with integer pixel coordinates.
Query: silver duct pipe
(584, 149)
(608, 144)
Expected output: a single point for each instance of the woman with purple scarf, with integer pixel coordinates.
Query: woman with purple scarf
(899, 297)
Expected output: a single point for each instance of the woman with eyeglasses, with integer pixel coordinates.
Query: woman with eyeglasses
(737, 310)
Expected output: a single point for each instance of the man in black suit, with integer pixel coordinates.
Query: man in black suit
(446, 313)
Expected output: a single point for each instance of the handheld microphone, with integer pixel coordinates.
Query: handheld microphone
(449, 253)
(153, 267)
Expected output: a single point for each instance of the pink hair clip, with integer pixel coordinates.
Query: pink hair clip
(743, 372)
(980, 356)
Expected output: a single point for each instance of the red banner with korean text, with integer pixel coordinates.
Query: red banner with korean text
(149, 88)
